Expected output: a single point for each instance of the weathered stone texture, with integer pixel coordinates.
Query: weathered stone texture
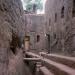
(63, 28)
(17, 66)
(35, 25)
(11, 19)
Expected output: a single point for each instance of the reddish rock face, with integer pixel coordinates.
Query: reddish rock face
(60, 22)
(11, 13)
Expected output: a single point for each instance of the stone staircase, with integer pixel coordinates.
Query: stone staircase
(69, 61)
(45, 71)
(52, 64)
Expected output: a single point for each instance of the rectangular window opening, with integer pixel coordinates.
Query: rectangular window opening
(38, 38)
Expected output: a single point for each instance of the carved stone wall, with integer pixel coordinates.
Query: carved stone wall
(11, 20)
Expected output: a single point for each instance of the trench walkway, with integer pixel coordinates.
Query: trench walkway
(50, 64)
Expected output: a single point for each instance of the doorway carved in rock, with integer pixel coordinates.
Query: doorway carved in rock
(27, 43)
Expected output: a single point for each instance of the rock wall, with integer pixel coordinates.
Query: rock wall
(36, 26)
(60, 25)
(11, 20)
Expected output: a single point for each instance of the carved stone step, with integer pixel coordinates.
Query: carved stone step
(69, 61)
(57, 68)
(32, 59)
(45, 71)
